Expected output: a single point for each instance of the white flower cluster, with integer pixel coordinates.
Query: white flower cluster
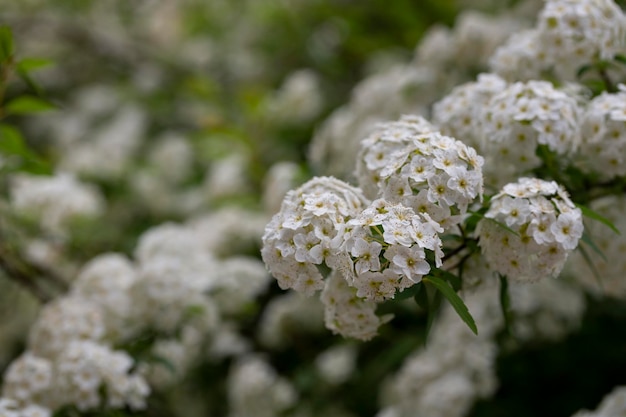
(576, 32)
(298, 100)
(379, 249)
(55, 200)
(548, 310)
(612, 405)
(376, 149)
(422, 169)
(458, 114)
(569, 34)
(76, 376)
(169, 288)
(519, 119)
(529, 230)
(303, 233)
(11, 408)
(255, 389)
(347, 314)
(604, 135)
(388, 245)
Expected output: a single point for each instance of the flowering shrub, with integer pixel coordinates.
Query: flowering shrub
(220, 221)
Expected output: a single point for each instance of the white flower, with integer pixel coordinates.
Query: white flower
(568, 229)
(408, 261)
(367, 254)
(308, 248)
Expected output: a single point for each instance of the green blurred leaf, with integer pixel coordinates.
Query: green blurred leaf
(587, 240)
(620, 58)
(456, 301)
(591, 265)
(453, 279)
(587, 212)
(27, 105)
(505, 303)
(12, 144)
(6, 43)
(33, 64)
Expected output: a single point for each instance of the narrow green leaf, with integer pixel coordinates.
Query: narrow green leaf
(587, 239)
(430, 300)
(6, 43)
(587, 212)
(505, 303)
(33, 64)
(582, 70)
(421, 296)
(454, 280)
(591, 265)
(620, 58)
(12, 144)
(456, 301)
(28, 104)
(30, 82)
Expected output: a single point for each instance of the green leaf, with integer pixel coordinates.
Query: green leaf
(591, 265)
(33, 64)
(505, 303)
(12, 144)
(30, 82)
(587, 212)
(27, 105)
(582, 70)
(430, 301)
(456, 301)
(6, 43)
(620, 58)
(586, 238)
(454, 280)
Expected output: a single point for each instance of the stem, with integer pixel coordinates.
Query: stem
(18, 274)
(608, 83)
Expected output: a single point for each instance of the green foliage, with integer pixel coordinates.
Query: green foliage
(16, 155)
(456, 301)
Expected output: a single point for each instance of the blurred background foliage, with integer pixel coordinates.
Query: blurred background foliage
(207, 68)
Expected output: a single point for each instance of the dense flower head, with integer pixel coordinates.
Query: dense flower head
(458, 113)
(56, 200)
(301, 235)
(376, 149)
(105, 281)
(11, 408)
(429, 172)
(256, 389)
(603, 148)
(62, 321)
(386, 248)
(521, 58)
(530, 229)
(27, 379)
(346, 313)
(85, 367)
(577, 32)
(522, 117)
